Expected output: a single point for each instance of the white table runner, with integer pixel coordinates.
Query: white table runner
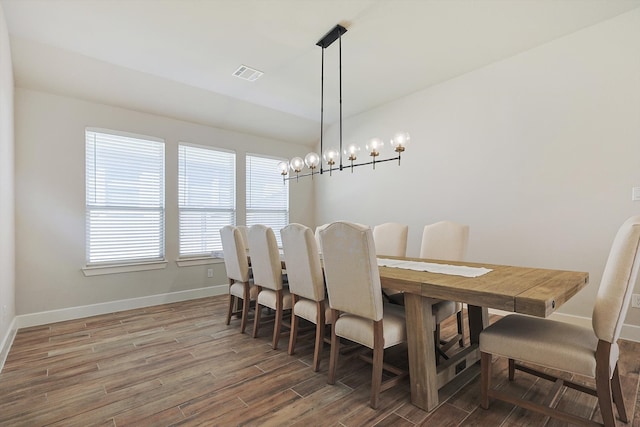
(456, 270)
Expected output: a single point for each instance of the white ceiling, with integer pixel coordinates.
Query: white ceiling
(176, 57)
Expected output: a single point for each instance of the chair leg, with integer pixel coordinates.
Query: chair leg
(245, 307)
(460, 329)
(293, 332)
(319, 344)
(512, 369)
(256, 320)
(278, 321)
(617, 396)
(230, 311)
(485, 379)
(335, 349)
(378, 358)
(603, 383)
(436, 342)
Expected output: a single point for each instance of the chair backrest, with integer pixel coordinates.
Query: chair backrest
(351, 269)
(391, 239)
(444, 240)
(244, 230)
(304, 270)
(235, 254)
(265, 257)
(618, 281)
(317, 235)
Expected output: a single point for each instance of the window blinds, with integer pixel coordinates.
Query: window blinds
(206, 198)
(124, 198)
(267, 195)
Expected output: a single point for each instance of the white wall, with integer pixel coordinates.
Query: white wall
(7, 202)
(50, 201)
(537, 153)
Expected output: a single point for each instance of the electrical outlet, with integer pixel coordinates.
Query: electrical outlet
(635, 300)
(210, 273)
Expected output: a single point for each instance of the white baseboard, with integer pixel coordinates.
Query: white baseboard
(629, 332)
(71, 313)
(7, 341)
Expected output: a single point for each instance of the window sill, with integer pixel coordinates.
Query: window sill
(188, 262)
(123, 268)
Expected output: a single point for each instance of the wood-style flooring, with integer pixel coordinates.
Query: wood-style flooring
(179, 364)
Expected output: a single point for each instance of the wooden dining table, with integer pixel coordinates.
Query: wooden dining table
(533, 291)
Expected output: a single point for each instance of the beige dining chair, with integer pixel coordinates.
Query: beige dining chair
(590, 352)
(390, 239)
(244, 230)
(355, 298)
(267, 276)
(447, 241)
(241, 291)
(306, 285)
(317, 235)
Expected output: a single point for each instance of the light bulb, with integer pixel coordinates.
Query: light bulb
(400, 141)
(352, 152)
(330, 156)
(312, 160)
(283, 167)
(374, 146)
(296, 164)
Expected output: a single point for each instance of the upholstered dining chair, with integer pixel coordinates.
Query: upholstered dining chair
(267, 276)
(446, 240)
(244, 230)
(355, 298)
(306, 285)
(241, 291)
(317, 234)
(390, 239)
(590, 352)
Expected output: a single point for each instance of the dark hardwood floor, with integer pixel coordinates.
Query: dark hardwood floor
(179, 364)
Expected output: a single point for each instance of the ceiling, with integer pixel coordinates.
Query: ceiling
(176, 57)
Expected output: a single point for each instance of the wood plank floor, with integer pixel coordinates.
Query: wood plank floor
(179, 364)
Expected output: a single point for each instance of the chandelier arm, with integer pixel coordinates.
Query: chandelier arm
(390, 159)
(299, 175)
(351, 166)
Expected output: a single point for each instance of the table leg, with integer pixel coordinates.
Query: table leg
(422, 362)
(478, 320)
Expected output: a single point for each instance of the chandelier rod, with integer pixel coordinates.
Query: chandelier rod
(340, 84)
(327, 40)
(321, 107)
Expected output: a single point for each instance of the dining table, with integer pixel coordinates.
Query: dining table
(526, 290)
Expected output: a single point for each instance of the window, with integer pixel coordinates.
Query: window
(124, 198)
(206, 198)
(267, 195)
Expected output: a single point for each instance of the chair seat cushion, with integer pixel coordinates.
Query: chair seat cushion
(443, 310)
(237, 290)
(267, 298)
(546, 343)
(307, 309)
(360, 330)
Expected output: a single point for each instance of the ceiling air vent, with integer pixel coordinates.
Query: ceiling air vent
(247, 73)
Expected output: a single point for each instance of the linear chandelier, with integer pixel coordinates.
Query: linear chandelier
(333, 157)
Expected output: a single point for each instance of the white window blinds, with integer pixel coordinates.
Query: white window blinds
(124, 198)
(207, 198)
(267, 195)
